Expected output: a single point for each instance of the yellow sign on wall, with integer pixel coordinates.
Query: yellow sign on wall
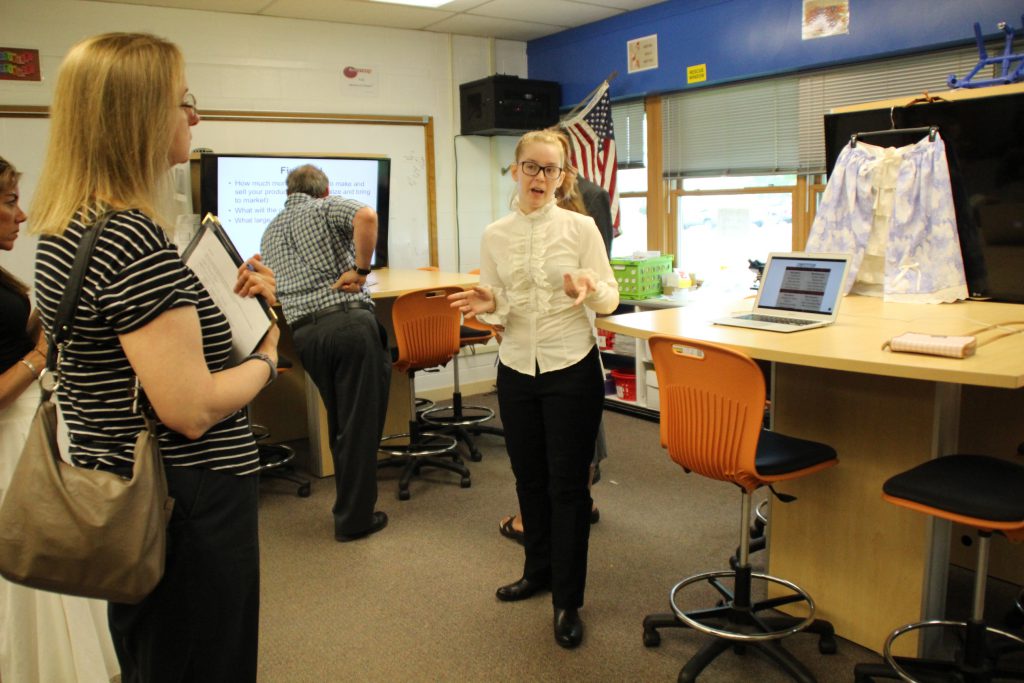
(697, 73)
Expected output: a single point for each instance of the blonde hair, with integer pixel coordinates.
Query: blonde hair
(110, 128)
(545, 136)
(568, 193)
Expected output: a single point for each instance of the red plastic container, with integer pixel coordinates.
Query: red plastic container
(625, 384)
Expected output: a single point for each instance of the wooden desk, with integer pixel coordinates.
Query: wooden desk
(385, 286)
(870, 566)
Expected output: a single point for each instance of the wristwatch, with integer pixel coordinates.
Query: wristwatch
(362, 271)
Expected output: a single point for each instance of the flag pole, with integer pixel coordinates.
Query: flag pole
(591, 97)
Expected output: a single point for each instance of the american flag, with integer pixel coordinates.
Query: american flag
(592, 141)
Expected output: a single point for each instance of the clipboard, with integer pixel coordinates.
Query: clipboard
(213, 258)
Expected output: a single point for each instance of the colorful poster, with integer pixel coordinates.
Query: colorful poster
(824, 18)
(19, 64)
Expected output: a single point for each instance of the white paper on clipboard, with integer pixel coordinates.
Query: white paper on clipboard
(215, 261)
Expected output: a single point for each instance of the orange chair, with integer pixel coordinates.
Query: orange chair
(712, 407)
(425, 403)
(461, 420)
(427, 332)
(982, 492)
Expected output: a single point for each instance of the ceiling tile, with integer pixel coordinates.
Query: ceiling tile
(620, 4)
(462, 5)
(508, 29)
(554, 12)
(235, 6)
(356, 12)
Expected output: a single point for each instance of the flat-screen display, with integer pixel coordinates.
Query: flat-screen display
(246, 192)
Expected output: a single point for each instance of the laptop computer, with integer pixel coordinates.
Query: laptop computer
(798, 291)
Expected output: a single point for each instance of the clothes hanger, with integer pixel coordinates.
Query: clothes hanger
(931, 130)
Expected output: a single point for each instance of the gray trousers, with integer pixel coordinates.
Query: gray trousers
(345, 354)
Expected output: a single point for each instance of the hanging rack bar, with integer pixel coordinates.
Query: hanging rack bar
(931, 130)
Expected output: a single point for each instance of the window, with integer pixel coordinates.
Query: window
(630, 134)
(723, 223)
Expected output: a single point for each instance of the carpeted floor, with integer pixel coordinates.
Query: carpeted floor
(415, 602)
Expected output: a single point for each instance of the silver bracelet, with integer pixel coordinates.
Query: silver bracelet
(31, 368)
(266, 359)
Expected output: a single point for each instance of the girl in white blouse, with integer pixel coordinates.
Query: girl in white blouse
(541, 268)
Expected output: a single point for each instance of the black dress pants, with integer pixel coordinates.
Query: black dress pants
(551, 422)
(345, 354)
(201, 622)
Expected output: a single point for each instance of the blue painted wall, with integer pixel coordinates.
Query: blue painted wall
(743, 39)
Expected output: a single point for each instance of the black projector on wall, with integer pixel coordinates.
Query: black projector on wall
(508, 105)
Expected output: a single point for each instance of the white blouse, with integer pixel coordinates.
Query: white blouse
(523, 258)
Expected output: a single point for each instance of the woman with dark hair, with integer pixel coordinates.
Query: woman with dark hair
(43, 636)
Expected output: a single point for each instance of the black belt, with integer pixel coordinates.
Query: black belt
(324, 312)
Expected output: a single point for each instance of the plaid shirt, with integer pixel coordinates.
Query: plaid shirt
(308, 246)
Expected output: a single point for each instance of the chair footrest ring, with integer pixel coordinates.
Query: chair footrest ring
(445, 416)
(736, 636)
(273, 456)
(935, 623)
(761, 511)
(427, 444)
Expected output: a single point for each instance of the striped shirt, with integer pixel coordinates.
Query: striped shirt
(135, 274)
(308, 246)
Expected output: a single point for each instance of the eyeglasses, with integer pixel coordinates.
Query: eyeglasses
(532, 168)
(189, 104)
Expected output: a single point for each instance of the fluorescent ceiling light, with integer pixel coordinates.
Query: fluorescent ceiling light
(416, 3)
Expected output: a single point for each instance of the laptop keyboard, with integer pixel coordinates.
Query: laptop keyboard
(776, 319)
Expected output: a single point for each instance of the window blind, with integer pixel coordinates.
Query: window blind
(776, 125)
(628, 120)
(742, 129)
(823, 91)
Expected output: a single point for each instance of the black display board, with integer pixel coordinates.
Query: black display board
(984, 139)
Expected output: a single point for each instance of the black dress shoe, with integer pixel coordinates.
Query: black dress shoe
(568, 627)
(521, 589)
(380, 520)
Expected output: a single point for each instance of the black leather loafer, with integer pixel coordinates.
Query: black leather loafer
(521, 590)
(568, 628)
(380, 520)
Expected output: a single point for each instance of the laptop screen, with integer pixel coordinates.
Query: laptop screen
(802, 284)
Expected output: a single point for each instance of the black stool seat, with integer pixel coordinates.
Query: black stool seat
(969, 485)
(780, 454)
(988, 494)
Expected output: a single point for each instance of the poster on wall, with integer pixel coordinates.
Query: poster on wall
(823, 18)
(642, 53)
(360, 80)
(19, 64)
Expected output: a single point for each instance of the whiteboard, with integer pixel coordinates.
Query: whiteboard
(23, 143)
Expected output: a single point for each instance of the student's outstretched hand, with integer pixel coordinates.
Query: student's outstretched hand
(577, 286)
(473, 301)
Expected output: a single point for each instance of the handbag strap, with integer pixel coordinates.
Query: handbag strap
(63, 321)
